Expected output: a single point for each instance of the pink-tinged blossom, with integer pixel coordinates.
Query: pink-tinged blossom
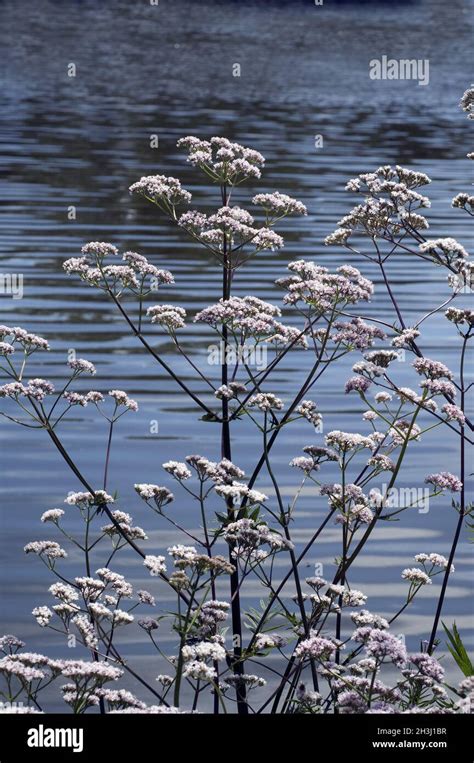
(229, 226)
(64, 592)
(98, 250)
(80, 266)
(160, 495)
(48, 548)
(360, 514)
(351, 598)
(433, 369)
(453, 413)
(120, 699)
(466, 686)
(199, 671)
(223, 160)
(86, 631)
(405, 338)
(269, 641)
(308, 409)
(90, 588)
(357, 384)
(444, 249)
(155, 564)
(98, 671)
(382, 397)
(122, 587)
(224, 472)
(177, 469)
(320, 454)
(267, 239)
(463, 276)
(84, 500)
(381, 358)
(416, 576)
(184, 556)
(316, 647)
(346, 441)
(237, 491)
(13, 390)
(121, 398)
(100, 611)
(265, 402)
(108, 278)
(467, 102)
(10, 643)
(29, 342)
(224, 393)
(390, 204)
(364, 618)
(42, 615)
(204, 650)
(212, 613)
(368, 369)
(383, 646)
(52, 515)
(382, 463)
(279, 204)
(120, 617)
(304, 463)
(248, 680)
(94, 397)
(356, 334)
(247, 314)
(81, 366)
(145, 597)
(75, 398)
(149, 710)
(413, 220)
(407, 395)
(463, 201)
(140, 264)
(370, 415)
(123, 526)
(445, 481)
(436, 560)
(13, 667)
(39, 389)
(170, 316)
(248, 535)
(161, 190)
(316, 286)
(338, 237)
(428, 666)
(403, 430)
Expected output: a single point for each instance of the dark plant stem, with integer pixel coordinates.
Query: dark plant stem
(226, 452)
(462, 511)
(107, 455)
(294, 564)
(162, 363)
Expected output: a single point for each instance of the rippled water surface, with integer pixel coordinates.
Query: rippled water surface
(144, 70)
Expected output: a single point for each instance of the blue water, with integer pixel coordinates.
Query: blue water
(143, 70)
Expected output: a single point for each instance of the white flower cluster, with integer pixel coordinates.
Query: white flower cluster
(316, 286)
(132, 275)
(247, 536)
(248, 317)
(222, 160)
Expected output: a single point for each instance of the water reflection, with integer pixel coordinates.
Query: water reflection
(167, 70)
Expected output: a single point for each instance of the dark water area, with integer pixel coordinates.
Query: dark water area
(167, 70)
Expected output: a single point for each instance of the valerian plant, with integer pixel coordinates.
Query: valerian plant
(311, 646)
